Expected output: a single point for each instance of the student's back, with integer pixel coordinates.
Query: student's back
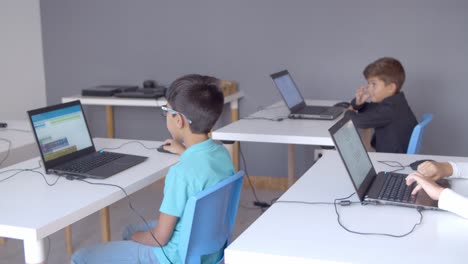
(194, 105)
(201, 166)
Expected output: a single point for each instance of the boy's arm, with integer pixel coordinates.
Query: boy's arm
(374, 116)
(162, 231)
(357, 107)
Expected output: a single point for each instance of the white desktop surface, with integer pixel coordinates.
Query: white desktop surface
(288, 131)
(32, 210)
(302, 233)
(23, 145)
(116, 101)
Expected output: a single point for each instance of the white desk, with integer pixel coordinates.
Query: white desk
(35, 210)
(300, 233)
(23, 146)
(109, 102)
(288, 131)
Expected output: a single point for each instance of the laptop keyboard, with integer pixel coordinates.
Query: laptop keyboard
(90, 162)
(395, 189)
(320, 110)
(313, 110)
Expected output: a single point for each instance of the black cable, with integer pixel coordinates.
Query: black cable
(345, 202)
(257, 202)
(9, 141)
(398, 165)
(8, 150)
(18, 171)
(43, 176)
(275, 119)
(133, 209)
(16, 129)
(274, 200)
(377, 234)
(132, 142)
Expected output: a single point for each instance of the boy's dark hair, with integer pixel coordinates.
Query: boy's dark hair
(389, 70)
(199, 98)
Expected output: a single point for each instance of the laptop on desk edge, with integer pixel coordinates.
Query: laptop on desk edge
(369, 185)
(65, 144)
(295, 102)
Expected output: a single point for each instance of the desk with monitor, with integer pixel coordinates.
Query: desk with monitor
(231, 98)
(258, 128)
(305, 233)
(33, 220)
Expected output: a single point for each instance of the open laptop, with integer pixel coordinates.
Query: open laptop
(382, 187)
(295, 102)
(66, 147)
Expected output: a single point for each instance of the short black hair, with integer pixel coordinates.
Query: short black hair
(199, 98)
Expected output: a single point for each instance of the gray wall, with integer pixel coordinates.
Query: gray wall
(325, 44)
(21, 59)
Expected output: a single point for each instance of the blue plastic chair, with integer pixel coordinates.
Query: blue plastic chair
(209, 218)
(414, 145)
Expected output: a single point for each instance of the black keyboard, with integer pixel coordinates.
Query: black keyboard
(320, 110)
(395, 189)
(90, 162)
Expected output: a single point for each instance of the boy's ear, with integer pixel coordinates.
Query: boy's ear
(393, 88)
(179, 121)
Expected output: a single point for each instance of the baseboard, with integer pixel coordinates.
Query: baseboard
(267, 183)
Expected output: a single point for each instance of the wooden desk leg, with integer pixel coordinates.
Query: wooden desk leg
(2, 241)
(105, 224)
(68, 240)
(230, 149)
(104, 213)
(291, 164)
(110, 121)
(235, 117)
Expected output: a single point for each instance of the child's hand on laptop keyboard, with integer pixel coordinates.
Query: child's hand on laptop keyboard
(425, 183)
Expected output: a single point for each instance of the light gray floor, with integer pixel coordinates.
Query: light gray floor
(147, 201)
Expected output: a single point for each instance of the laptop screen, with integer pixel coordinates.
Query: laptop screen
(61, 132)
(287, 88)
(352, 151)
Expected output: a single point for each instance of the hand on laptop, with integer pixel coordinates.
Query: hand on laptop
(174, 146)
(425, 183)
(362, 95)
(435, 170)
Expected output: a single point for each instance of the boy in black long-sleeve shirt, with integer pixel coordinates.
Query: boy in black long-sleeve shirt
(388, 113)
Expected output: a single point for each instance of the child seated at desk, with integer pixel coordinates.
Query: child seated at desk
(388, 113)
(431, 171)
(194, 105)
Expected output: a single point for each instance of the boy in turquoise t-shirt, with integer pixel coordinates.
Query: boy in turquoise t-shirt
(194, 105)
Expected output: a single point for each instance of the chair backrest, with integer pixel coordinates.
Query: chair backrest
(414, 145)
(209, 218)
